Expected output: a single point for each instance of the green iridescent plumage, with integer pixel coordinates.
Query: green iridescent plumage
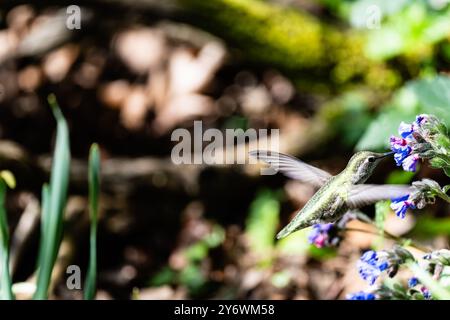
(337, 194)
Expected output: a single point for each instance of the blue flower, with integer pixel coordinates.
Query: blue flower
(400, 205)
(405, 129)
(370, 257)
(412, 282)
(361, 295)
(410, 163)
(426, 293)
(398, 144)
(420, 119)
(383, 265)
(371, 265)
(401, 155)
(403, 147)
(368, 272)
(319, 235)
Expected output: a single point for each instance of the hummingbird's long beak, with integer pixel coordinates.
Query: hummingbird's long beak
(384, 155)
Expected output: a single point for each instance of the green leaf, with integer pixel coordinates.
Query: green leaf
(324, 253)
(192, 277)
(433, 96)
(447, 171)
(165, 276)
(57, 197)
(412, 29)
(430, 227)
(197, 251)
(215, 237)
(94, 190)
(400, 177)
(45, 201)
(296, 244)
(261, 225)
(5, 278)
(430, 96)
(8, 178)
(446, 188)
(379, 131)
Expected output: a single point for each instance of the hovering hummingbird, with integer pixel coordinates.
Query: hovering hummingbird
(337, 194)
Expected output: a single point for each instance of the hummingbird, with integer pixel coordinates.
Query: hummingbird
(336, 195)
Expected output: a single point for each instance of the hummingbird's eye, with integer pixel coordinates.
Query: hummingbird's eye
(371, 159)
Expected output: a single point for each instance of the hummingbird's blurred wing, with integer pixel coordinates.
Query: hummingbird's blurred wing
(293, 167)
(361, 195)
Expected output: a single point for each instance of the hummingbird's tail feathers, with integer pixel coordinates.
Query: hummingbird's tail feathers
(364, 194)
(293, 167)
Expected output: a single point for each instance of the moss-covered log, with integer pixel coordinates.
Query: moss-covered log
(293, 41)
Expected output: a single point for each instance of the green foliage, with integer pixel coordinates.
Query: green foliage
(54, 201)
(165, 276)
(281, 279)
(262, 223)
(430, 96)
(382, 209)
(412, 30)
(94, 189)
(270, 32)
(322, 253)
(236, 122)
(291, 40)
(191, 276)
(337, 112)
(439, 291)
(395, 289)
(357, 11)
(430, 227)
(6, 180)
(406, 27)
(295, 244)
(400, 177)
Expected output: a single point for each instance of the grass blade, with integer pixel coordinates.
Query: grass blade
(94, 188)
(6, 179)
(57, 196)
(45, 199)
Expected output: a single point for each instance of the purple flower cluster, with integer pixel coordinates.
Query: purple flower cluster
(361, 295)
(400, 205)
(413, 282)
(320, 235)
(370, 266)
(403, 145)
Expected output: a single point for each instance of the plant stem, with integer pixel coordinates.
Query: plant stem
(392, 237)
(437, 290)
